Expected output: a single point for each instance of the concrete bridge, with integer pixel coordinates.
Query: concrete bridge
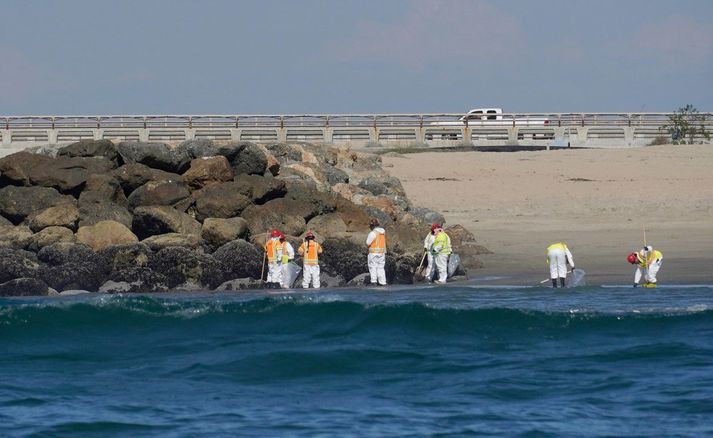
(355, 130)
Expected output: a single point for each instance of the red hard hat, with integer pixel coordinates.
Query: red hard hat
(631, 258)
(434, 227)
(275, 233)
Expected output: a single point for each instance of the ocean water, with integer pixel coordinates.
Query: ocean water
(446, 361)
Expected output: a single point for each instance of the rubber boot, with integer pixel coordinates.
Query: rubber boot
(561, 281)
(554, 283)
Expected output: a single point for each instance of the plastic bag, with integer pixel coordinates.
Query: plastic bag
(290, 272)
(453, 263)
(576, 279)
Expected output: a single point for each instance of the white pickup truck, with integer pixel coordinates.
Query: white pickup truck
(486, 119)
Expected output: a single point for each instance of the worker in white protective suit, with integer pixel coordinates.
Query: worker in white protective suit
(310, 250)
(376, 241)
(288, 253)
(648, 261)
(427, 243)
(559, 257)
(441, 249)
(273, 252)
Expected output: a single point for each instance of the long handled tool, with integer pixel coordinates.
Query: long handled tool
(419, 270)
(264, 257)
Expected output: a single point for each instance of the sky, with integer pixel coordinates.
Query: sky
(95, 57)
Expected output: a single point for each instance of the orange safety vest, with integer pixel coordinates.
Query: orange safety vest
(378, 245)
(313, 249)
(272, 249)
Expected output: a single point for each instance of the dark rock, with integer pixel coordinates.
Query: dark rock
(220, 201)
(88, 274)
(277, 213)
(4, 222)
(309, 201)
(155, 155)
(198, 147)
(64, 252)
(260, 189)
(239, 284)
(17, 264)
(327, 280)
(94, 209)
(285, 152)
(152, 220)
(238, 259)
(427, 215)
(328, 225)
(23, 287)
(64, 215)
(123, 257)
(133, 175)
(67, 175)
(182, 265)
(105, 188)
(140, 279)
(158, 193)
(400, 269)
(383, 185)
(362, 279)
(251, 160)
(208, 170)
(90, 148)
(16, 203)
(343, 257)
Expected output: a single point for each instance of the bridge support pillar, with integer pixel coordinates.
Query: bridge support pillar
(420, 135)
(373, 135)
(52, 136)
(467, 134)
(582, 134)
(98, 133)
(512, 134)
(281, 135)
(143, 134)
(235, 134)
(629, 135)
(327, 135)
(190, 133)
(6, 137)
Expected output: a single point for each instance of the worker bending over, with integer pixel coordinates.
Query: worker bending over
(273, 252)
(376, 241)
(441, 249)
(559, 257)
(310, 251)
(427, 243)
(649, 260)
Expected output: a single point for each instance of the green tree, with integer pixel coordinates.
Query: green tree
(686, 125)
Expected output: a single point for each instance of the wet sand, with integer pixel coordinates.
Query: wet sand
(597, 200)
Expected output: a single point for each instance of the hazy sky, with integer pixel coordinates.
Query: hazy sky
(362, 56)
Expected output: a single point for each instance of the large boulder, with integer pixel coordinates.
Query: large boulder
(208, 170)
(67, 175)
(220, 200)
(105, 188)
(16, 264)
(250, 159)
(64, 252)
(15, 237)
(93, 209)
(155, 155)
(138, 280)
(344, 257)
(133, 175)
(124, 257)
(238, 259)
(152, 220)
(260, 189)
(4, 222)
(427, 215)
(274, 214)
(64, 215)
(328, 225)
(23, 287)
(158, 193)
(217, 231)
(90, 148)
(182, 265)
(309, 201)
(16, 203)
(161, 241)
(104, 234)
(49, 236)
(240, 284)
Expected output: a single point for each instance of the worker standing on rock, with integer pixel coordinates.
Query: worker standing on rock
(558, 256)
(440, 250)
(427, 244)
(376, 241)
(288, 253)
(273, 251)
(310, 251)
(648, 260)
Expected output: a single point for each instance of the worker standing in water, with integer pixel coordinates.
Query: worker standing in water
(427, 243)
(648, 261)
(310, 250)
(559, 256)
(441, 249)
(376, 260)
(273, 252)
(288, 253)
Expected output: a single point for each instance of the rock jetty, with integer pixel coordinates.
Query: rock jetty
(151, 217)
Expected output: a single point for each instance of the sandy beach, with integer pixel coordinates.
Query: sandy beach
(596, 200)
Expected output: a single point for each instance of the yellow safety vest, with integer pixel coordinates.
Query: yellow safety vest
(558, 245)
